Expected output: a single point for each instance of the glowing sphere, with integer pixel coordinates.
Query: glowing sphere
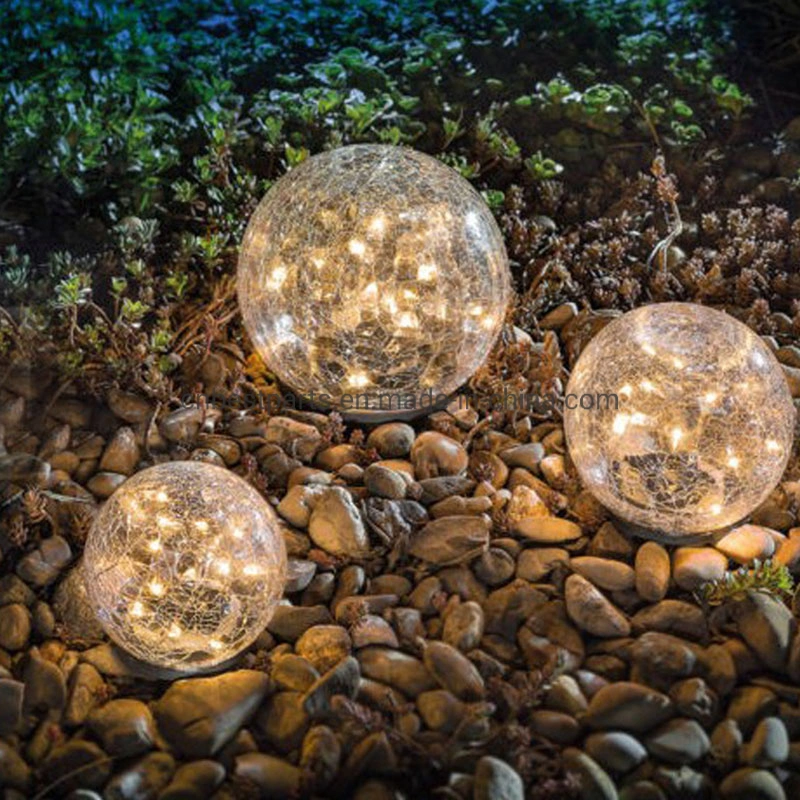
(184, 565)
(702, 427)
(373, 273)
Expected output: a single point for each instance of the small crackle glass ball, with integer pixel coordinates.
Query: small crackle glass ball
(376, 272)
(703, 424)
(184, 565)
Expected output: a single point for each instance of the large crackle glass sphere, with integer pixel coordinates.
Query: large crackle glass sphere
(184, 565)
(703, 424)
(374, 272)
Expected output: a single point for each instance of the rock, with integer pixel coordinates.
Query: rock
(554, 725)
(652, 572)
(144, 780)
(453, 670)
(182, 425)
(608, 542)
(591, 611)
(456, 506)
(124, 727)
(615, 751)
(694, 566)
(73, 610)
(78, 764)
(86, 686)
(15, 626)
(496, 780)
(694, 699)
(536, 563)
(324, 646)
(750, 704)
(24, 470)
(628, 706)
(660, 659)
(392, 440)
(751, 784)
(604, 572)
(436, 489)
(122, 453)
(298, 503)
(397, 669)
(746, 543)
(671, 616)
(373, 630)
(196, 780)
(463, 626)
(340, 679)
(337, 457)
(45, 687)
(383, 482)
(43, 565)
(547, 530)
(283, 721)
(440, 710)
(13, 590)
(434, 454)
(726, 740)
(299, 573)
(128, 406)
(290, 622)
(524, 503)
(198, 716)
(450, 540)
(14, 772)
(335, 524)
(767, 626)
(505, 609)
(593, 780)
(679, 741)
(11, 696)
(274, 777)
(104, 484)
(769, 745)
(320, 757)
(524, 455)
(292, 672)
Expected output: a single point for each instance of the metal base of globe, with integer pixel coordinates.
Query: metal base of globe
(633, 531)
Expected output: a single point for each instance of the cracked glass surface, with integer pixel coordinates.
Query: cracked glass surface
(370, 270)
(704, 424)
(184, 565)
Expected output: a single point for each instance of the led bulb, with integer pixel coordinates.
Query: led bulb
(388, 267)
(192, 585)
(692, 420)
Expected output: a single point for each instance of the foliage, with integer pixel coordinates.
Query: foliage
(764, 576)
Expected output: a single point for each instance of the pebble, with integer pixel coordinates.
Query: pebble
(396, 668)
(24, 470)
(694, 566)
(629, 706)
(767, 626)
(769, 745)
(604, 572)
(751, 784)
(142, 781)
(527, 456)
(104, 484)
(11, 697)
(608, 542)
(694, 699)
(124, 727)
(274, 777)
(43, 565)
(463, 626)
(652, 572)
(15, 626)
(14, 772)
(746, 543)
(182, 425)
(726, 739)
(435, 489)
(373, 630)
(679, 741)
(555, 726)
(320, 757)
(196, 780)
(453, 670)
(671, 616)
(122, 453)
(283, 721)
(335, 524)
(296, 505)
(324, 646)
(616, 751)
(45, 686)
(450, 540)
(392, 440)
(591, 611)
(496, 780)
(77, 764)
(341, 679)
(537, 563)
(382, 482)
(72, 608)
(593, 781)
(128, 406)
(85, 688)
(547, 530)
(292, 672)
(198, 716)
(434, 454)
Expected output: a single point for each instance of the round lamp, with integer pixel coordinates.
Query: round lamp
(184, 565)
(679, 418)
(370, 275)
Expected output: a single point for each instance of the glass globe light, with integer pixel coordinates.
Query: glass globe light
(374, 272)
(703, 424)
(184, 565)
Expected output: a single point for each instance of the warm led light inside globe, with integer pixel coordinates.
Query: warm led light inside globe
(184, 565)
(702, 427)
(373, 273)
